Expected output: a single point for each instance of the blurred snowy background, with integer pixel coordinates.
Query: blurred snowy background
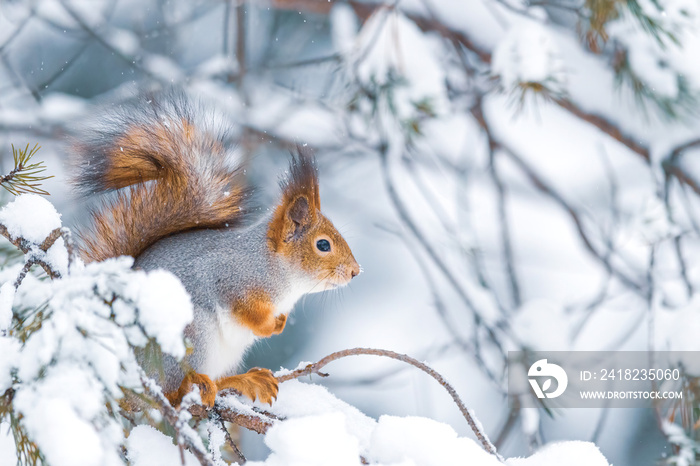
(510, 174)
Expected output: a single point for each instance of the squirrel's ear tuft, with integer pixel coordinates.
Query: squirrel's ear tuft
(300, 202)
(302, 179)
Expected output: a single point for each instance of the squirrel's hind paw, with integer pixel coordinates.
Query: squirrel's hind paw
(257, 383)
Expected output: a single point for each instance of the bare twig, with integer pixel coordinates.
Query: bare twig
(466, 412)
(334, 57)
(405, 217)
(605, 126)
(18, 29)
(92, 32)
(20, 242)
(68, 242)
(543, 186)
(505, 223)
(448, 322)
(29, 249)
(513, 415)
(226, 44)
(22, 273)
(51, 239)
(36, 254)
(672, 168)
(678, 248)
(578, 222)
(240, 458)
(241, 42)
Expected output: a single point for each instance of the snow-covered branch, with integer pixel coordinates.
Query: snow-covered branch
(68, 345)
(178, 419)
(466, 412)
(36, 239)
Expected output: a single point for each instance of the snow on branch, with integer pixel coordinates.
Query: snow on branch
(32, 225)
(309, 425)
(466, 412)
(230, 409)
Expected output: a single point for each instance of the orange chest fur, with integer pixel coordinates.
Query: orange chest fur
(256, 311)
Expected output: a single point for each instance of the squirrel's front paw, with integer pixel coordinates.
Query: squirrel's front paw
(257, 383)
(280, 322)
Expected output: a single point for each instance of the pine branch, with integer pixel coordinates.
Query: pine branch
(25, 176)
(595, 15)
(28, 453)
(682, 105)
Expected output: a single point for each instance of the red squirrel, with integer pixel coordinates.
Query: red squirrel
(179, 206)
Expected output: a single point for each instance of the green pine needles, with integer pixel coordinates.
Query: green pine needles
(26, 176)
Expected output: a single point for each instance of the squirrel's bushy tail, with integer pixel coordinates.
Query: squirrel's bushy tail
(171, 169)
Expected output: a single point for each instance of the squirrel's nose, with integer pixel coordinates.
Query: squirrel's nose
(355, 270)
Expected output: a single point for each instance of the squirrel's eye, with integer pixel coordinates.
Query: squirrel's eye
(323, 245)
